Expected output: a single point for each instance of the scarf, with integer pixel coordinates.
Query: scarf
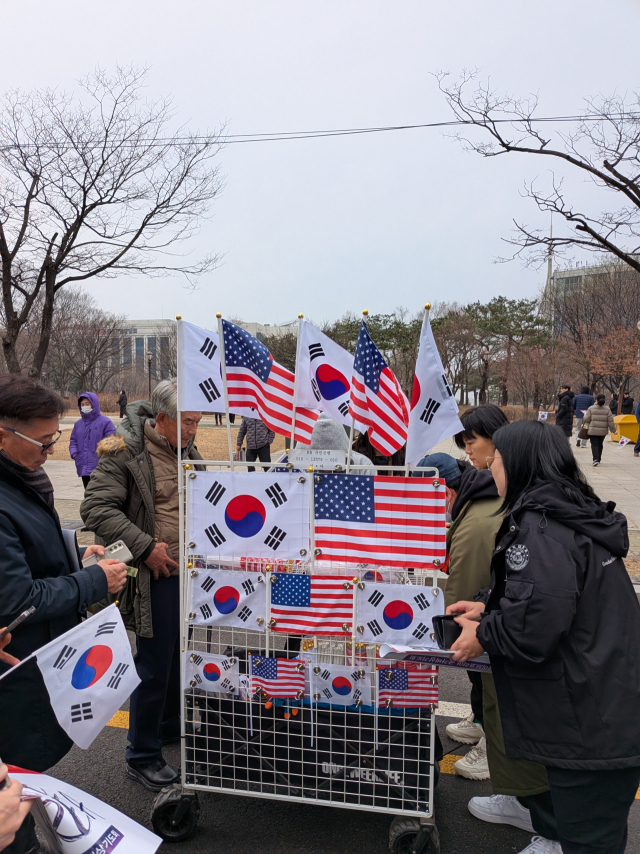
(38, 479)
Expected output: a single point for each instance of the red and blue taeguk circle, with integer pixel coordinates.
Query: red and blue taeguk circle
(332, 383)
(226, 599)
(91, 666)
(211, 672)
(342, 686)
(245, 515)
(397, 614)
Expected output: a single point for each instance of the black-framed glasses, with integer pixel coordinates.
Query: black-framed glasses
(43, 447)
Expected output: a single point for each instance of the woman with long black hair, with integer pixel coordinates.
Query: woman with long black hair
(561, 625)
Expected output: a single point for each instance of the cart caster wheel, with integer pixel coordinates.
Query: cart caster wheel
(408, 836)
(175, 814)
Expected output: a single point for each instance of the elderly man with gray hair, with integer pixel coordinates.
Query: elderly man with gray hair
(133, 496)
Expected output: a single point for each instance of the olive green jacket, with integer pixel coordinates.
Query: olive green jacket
(119, 505)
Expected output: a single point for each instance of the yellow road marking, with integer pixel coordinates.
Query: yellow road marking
(120, 719)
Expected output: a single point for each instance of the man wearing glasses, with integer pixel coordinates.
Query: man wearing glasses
(37, 571)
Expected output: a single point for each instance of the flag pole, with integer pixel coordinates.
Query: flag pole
(365, 314)
(223, 365)
(295, 387)
(184, 631)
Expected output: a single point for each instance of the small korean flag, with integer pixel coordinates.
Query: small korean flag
(199, 372)
(398, 613)
(218, 674)
(542, 416)
(340, 685)
(623, 441)
(223, 597)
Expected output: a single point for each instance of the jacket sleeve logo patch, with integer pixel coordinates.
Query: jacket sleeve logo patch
(517, 557)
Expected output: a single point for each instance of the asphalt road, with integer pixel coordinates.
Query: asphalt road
(230, 824)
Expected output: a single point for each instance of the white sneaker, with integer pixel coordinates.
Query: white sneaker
(466, 731)
(502, 809)
(474, 766)
(540, 845)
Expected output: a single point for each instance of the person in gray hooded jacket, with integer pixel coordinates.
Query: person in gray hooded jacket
(330, 435)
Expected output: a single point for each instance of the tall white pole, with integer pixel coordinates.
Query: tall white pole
(184, 629)
(223, 365)
(365, 314)
(295, 385)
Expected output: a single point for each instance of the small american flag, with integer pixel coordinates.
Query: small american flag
(377, 402)
(408, 686)
(255, 380)
(392, 521)
(312, 604)
(277, 677)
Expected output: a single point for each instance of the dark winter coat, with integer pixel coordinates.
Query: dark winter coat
(627, 406)
(119, 505)
(562, 629)
(35, 570)
(87, 432)
(564, 412)
(581, 402)
(257, 433)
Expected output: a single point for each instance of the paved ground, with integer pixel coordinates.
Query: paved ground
(239, 825)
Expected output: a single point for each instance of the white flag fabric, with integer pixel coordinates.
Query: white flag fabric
(218, 674)
(434, 411)
(89, 673)
(244, 514)
(324, 373)
(398, 613)
(543, 416)
(199, 371)
(74, 822)
(232, 598)
(340, 685)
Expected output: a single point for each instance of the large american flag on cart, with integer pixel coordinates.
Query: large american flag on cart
(390, 521)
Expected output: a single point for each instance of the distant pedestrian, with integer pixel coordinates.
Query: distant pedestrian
(218, 418)
(259, 439)
(122, 403)
(232, 418)
(599, 420)
(627, 404)
(87, 432)
(564, 412)
(581, 402)
(613, 404)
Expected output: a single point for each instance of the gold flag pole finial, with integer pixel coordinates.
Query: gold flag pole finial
(365, 312)
(218, 315)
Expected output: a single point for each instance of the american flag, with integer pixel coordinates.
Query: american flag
(407, 686)
(391, 521)
(255, 380)
(312, 604)
(378, 404)
(277, 677)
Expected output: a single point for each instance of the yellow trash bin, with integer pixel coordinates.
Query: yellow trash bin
(627, 426)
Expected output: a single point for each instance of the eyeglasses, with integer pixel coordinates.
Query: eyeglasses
(44, 447)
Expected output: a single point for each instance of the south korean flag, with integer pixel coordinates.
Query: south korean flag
(218, 674)
(222, 597)
(199, 372)
(340, 685)
(398, 613)
(242, 514)
(324, 374)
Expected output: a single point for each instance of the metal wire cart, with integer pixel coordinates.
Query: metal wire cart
(286, 694)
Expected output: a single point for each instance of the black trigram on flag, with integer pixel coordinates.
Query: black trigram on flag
(276, 494)
(344, 408)
(65, 655)
(206, 611)
(421, 601)
(226, 685)
(275, 538)
(429, 411)
(117, 675)
(327, 693)
(196, 678)
(207, 584)
(374, 628)
(315, 351)
(244, 614)
(197, 659)
(215, 493)
(215, 537)
(376, 598)
(356, 675)
(325, 675)
(248, 587)
(420, 631)
(81, 712)
(106, 629)
(209, 390)
(315, 389)
(357, 694)
(208, 348)
(226, 664)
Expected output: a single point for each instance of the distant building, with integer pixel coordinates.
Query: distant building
(140, 339)
(264, 330)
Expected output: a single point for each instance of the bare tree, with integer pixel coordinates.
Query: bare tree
(94, 186)
(604, 148)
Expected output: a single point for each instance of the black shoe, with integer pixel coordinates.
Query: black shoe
(154, 776)
(170, 739)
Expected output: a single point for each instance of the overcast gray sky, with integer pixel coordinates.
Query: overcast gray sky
(330, 225)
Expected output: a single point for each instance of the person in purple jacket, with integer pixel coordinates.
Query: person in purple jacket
(87, 432)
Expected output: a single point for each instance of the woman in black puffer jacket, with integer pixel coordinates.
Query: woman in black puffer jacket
(561, 625)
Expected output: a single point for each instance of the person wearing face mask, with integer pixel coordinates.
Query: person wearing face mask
(92, 428)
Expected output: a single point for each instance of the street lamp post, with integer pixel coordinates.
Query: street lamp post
(149, 358)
